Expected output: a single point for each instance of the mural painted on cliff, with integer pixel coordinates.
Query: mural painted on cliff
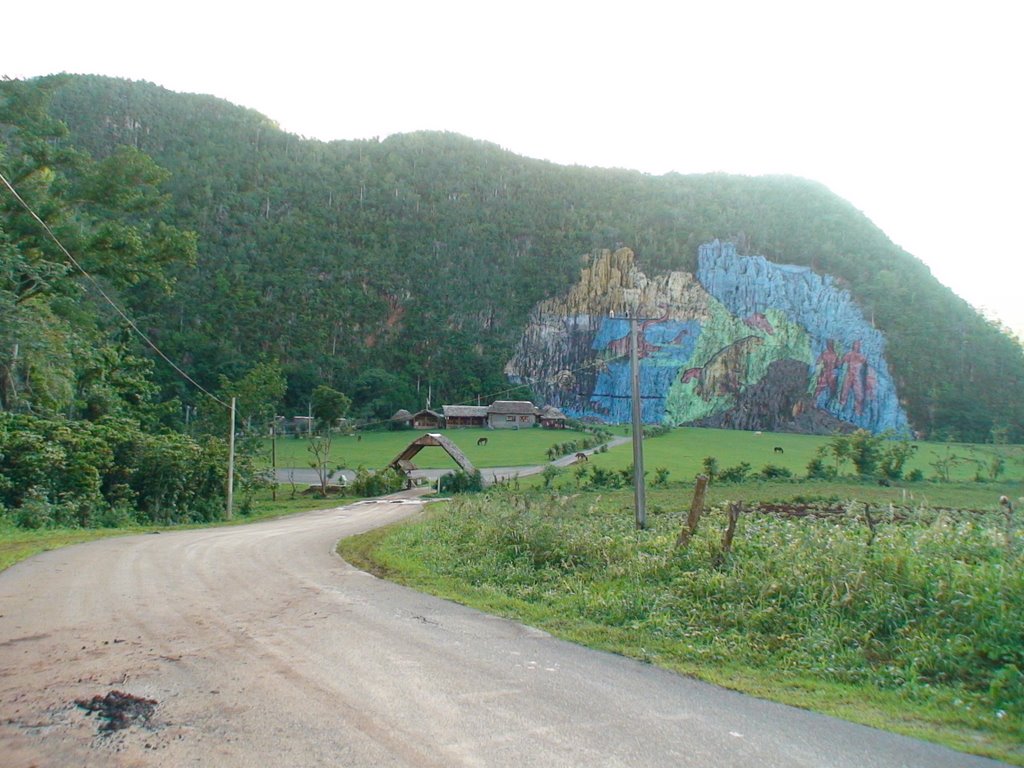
(745, 344)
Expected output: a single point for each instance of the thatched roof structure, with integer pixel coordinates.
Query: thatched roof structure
(401, 415)
(512, 408)
(465, 411)
(550, 412)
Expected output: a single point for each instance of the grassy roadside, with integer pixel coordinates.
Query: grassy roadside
(17, 544)
(784, 628)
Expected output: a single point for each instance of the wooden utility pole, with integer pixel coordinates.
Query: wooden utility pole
(639, 492)
(273, 458)
(231, 464)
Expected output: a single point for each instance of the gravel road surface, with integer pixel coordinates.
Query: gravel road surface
(257, 646)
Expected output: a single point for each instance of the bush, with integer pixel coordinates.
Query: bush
(735, 474)
(367, 483)
(773, 472)
(818, 470)
(710, 465)
(605, 478)
(461, 481)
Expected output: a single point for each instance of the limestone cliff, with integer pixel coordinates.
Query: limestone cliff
(745, 343)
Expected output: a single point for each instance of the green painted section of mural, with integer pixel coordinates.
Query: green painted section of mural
(731, 356)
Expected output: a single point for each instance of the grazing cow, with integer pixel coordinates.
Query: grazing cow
(482, 441)
(581, 456)
(359, 438)
(778, 449)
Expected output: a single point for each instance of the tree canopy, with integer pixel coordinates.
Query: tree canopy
(409, 265)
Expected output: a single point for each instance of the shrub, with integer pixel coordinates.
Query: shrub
(367, 483)
(773, 472)
(604, 478)
(461, 481)
(894, 457)
(710, 465)
(735, 474)
(818, 470)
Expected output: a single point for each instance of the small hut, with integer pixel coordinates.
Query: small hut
(427, 419)
(401, 420)
(552, 418)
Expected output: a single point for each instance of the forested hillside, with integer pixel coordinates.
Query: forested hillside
(384, 267)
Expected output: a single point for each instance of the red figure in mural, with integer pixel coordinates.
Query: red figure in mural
(828, 367)
(859, 379)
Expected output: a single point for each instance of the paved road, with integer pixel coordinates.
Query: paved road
(262, 648)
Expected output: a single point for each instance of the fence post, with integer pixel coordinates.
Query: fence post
(734, 515)
(696, 510)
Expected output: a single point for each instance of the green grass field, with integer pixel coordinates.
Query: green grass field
(681, 452)
(505, 448)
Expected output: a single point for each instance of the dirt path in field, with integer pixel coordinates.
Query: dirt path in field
(257, 646)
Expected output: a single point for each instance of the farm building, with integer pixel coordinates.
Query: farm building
(296, 425)
(465, 415)
(427, 419)
(511, 414)
(552, 418)
(401, 419)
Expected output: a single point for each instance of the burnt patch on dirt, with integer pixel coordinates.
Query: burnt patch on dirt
(118, 710)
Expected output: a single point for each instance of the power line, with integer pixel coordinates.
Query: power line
(152, 345)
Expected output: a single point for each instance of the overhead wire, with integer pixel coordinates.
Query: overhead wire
(95, 283)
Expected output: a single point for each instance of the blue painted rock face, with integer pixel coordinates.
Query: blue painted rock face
(745, 343)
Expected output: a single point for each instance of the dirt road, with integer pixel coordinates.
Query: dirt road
(257, 646)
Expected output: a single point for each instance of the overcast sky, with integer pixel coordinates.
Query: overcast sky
(912, 111)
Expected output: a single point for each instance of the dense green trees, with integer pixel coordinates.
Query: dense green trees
(422, 254)
(384, 269)
(84, 435)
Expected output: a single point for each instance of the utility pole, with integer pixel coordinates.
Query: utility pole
(231, 463)
(639, 492)
(273, 458)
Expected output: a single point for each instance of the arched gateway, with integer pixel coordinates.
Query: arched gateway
(403, 461)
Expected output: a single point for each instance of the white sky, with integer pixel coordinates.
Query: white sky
(910, 110)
